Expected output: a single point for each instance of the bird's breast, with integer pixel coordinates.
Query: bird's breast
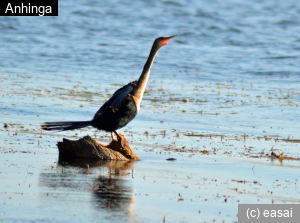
(137, 102)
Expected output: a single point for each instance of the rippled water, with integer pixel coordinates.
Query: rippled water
(233, 54)
(232, 70)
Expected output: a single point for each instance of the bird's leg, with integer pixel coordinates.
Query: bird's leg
(118, 137)
(112, 136)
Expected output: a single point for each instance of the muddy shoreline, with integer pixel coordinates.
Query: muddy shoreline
(194, 185)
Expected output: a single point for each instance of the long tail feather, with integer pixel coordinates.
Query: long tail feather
(63, 126)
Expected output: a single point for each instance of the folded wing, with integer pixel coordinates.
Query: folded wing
(116, 100)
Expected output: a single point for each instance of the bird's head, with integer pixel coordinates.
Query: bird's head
(161, 41)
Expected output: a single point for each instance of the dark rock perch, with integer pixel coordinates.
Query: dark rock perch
(89, 148)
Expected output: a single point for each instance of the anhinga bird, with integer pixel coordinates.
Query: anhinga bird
(122, 107)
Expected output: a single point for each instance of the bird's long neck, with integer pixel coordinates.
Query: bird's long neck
(142, 81)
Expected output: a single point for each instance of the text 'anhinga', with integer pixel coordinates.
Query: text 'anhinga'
(122, 107)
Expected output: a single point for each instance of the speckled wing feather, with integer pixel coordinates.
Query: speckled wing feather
(116, 100)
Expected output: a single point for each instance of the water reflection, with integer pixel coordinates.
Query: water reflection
(102, 182)
(112, 194)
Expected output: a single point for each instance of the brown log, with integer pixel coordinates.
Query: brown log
(89, 148)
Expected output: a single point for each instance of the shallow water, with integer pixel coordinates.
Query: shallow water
(40, 187)
(228, 84)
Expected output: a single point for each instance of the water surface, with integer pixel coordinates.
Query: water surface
(228, 84)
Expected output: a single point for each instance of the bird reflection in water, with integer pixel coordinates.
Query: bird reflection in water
(110, 190)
